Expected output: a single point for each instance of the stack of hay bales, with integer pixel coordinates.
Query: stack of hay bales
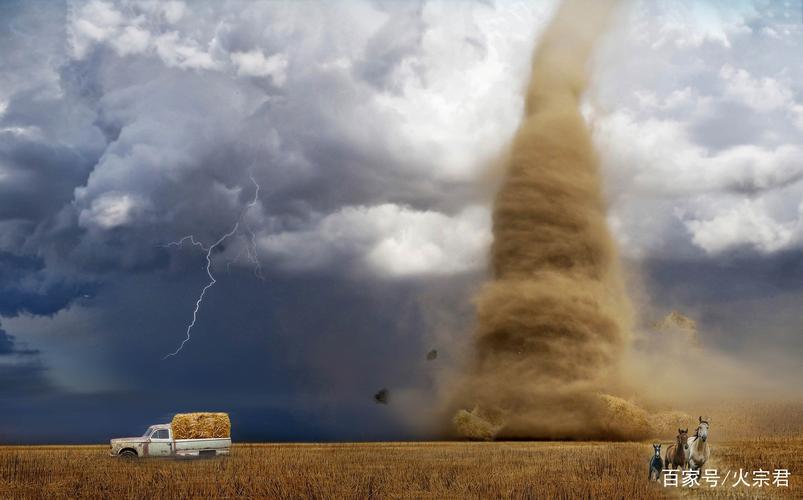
(201, 425)
(624, 420)
(471, 425)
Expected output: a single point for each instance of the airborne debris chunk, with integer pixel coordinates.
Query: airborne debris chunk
(675, 320)
(433, 354)
(382, 397)
(676, 325)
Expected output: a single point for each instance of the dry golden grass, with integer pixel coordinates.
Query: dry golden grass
(374, 470)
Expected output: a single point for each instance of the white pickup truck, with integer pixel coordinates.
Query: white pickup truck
(158, 441)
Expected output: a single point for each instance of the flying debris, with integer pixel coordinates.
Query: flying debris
(675, 320)
(678, 326)
(382, 397)
(432, 355)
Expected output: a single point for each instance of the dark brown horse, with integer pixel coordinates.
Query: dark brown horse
(678, 454)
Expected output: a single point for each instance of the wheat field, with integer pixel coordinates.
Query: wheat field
(379, 470)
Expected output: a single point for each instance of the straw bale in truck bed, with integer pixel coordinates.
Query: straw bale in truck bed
(201, 425)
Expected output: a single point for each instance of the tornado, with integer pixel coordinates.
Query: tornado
(553, 322)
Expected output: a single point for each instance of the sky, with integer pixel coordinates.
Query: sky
(372, 130)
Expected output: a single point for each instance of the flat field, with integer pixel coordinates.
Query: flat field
(387, 470)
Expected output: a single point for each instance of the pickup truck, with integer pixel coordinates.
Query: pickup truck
(158, 441)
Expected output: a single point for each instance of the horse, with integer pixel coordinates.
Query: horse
(656, 463)
(677, 455)
(699, 451)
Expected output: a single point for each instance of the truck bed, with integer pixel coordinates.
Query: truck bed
(188, 447)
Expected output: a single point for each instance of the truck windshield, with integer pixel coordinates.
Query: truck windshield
(148, 431)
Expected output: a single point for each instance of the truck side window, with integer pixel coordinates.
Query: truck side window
(161, 434)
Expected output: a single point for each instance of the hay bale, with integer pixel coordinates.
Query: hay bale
(201, 425)
(623, 419)
(470, 425)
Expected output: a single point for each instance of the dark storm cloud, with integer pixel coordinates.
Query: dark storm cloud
(22, 376)
(26, 287)
(41, 164)
(8, 346)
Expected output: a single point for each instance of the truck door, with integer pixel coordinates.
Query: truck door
(161, 445)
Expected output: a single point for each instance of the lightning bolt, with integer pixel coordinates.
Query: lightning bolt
(252, 255)
(250, 249)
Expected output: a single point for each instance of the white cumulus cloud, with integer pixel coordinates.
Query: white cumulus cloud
(391, 240)
(254, 63)
(747, 224)
(111, 210)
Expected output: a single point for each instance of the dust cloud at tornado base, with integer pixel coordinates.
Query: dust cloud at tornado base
(553, 323)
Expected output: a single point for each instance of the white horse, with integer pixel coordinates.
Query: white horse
(699, 450)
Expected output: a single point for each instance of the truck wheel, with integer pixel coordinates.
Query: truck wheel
(128, 454)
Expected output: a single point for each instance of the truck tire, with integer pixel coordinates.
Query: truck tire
(128, 454)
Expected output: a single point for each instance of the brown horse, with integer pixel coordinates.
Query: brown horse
(678, 454)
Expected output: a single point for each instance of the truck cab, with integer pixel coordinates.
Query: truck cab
(161, 441)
